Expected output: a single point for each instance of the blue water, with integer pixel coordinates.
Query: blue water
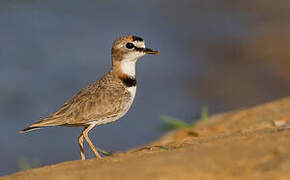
(49, 50)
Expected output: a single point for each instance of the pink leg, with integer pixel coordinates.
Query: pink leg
(85, 134)
(81, 138)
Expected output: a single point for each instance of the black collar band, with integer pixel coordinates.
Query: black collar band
(129, 81)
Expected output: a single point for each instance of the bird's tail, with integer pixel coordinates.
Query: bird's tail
(28, 129)
(48, 121)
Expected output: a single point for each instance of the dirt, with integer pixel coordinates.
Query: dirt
(245, 144)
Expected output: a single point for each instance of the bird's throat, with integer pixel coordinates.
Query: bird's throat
(128, 67)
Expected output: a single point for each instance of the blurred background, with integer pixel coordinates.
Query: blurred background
(220, 54)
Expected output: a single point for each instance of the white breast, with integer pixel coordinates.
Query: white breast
(132, 91)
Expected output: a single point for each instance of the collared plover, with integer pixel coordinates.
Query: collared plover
(106, 100)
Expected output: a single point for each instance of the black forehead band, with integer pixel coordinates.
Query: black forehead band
(136, 38)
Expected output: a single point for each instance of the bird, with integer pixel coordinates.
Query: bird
(107, 99)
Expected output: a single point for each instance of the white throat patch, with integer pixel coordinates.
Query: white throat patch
(128, 66)
(128, 63)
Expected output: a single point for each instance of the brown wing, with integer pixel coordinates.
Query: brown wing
(91, 106)
(103, 99)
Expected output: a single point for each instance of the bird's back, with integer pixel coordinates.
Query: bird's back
(101, 102)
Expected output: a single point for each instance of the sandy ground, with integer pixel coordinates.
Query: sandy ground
(251, 143)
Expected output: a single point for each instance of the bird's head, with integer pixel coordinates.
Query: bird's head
(127, 50)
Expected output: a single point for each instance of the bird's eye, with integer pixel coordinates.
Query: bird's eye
(129, 45)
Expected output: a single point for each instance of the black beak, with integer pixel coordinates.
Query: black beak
(147, 50)
(151, 51)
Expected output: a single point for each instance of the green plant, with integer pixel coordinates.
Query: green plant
(204, 113)
(105, 153)
(174, 123)
(25, 164)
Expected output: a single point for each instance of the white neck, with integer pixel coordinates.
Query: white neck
(128, 67)
(128, 62)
